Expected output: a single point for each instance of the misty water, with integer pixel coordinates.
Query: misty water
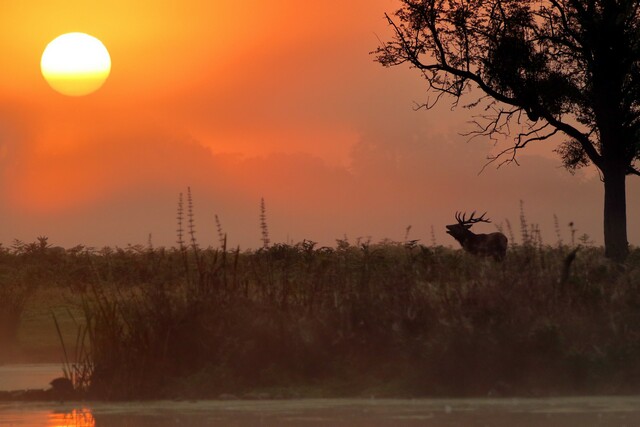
(576, 411)
(619, 411)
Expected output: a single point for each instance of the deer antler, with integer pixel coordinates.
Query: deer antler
(463, 220)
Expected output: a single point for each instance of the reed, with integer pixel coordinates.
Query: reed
(363, 318)
(77, 366)
(387, 318)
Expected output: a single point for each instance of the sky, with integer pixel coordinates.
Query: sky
(240, 100)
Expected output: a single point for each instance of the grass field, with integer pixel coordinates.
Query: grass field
(388, 319)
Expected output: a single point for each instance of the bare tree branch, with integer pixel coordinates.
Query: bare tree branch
(548, 67)
(431, 71)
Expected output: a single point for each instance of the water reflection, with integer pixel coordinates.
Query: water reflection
(584, 412)
(31, 416)
(75, 418)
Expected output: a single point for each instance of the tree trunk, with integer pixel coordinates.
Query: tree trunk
(615, 214)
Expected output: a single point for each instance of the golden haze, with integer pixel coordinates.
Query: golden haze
(241, 100)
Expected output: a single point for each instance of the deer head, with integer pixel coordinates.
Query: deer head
(461, 229)
(493, 244)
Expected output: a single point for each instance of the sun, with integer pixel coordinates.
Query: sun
(75, 64)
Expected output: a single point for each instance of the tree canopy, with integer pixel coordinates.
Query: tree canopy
(552, 67)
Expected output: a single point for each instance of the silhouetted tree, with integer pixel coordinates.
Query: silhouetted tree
(545, 67)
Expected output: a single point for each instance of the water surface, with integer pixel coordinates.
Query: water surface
(584, 412)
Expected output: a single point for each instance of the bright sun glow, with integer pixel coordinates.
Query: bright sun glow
(75, 64)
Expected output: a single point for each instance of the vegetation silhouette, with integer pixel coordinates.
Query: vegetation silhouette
(357, 319)
(568, 67)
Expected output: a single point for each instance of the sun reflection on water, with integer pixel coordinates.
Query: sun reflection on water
(75, 418)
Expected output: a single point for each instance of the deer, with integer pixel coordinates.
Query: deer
(492, 244)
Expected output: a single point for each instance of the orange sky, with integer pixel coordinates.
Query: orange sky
(242, 99)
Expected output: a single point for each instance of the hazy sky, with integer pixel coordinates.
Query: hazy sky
(243, 99)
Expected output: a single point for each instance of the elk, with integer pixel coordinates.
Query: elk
(492, 244)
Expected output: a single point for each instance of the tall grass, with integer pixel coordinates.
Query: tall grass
(390, 319)
(387, 319)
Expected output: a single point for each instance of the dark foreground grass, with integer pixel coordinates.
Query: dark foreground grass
(385, 320)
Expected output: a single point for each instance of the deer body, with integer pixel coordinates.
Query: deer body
(492, 244)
